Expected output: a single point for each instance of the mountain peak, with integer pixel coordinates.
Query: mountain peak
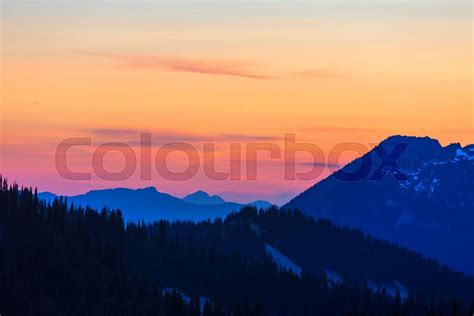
(419, 141)
(433, 198)
(200, 193)
(201, 197)
(151, 189)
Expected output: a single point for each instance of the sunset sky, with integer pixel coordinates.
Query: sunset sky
(240, 72)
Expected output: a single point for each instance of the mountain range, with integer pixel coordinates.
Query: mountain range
(424, 201)
(420, 197)
(350, 244)
(150, 205)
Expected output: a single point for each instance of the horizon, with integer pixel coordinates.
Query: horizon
(224, 194)
(144, 188)
(227, 73)
(228, 196)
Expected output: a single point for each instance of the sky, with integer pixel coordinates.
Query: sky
(243, 72)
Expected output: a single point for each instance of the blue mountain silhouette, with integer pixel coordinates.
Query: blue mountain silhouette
(150, 205)
(203, 198)
(431, 211)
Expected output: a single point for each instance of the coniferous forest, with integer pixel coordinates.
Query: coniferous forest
(61, 259)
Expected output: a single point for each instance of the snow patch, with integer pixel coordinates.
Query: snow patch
(282, 261)
(427, 185)
(419, 187)
(460, 154)
(436, 163)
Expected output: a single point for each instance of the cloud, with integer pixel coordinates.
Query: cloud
(233, 68)
(112, 132)
(167, 136)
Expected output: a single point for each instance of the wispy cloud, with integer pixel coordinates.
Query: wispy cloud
(234, 68)
(163, 136)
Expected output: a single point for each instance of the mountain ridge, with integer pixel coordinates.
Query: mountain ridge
(154, 205)
(204, 198)
(430, 211)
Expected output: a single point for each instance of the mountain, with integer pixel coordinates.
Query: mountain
(150, 205)
(203, 198)
(426, 204)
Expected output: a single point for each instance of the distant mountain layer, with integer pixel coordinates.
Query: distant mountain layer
(426, 205)
(203, 198)
(150, 205)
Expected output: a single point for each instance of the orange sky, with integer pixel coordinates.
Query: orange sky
(329, 72)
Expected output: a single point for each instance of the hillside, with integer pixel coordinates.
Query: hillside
(73, 260)
(431, 211)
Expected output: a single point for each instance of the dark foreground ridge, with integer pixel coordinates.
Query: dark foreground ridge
(65, 260)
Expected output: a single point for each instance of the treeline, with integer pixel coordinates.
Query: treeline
(57, 259)
(318, 244)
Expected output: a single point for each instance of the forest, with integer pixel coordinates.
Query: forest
(62, 259)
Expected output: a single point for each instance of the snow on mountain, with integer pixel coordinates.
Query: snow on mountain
(460, 154)
(429, 209)
(283, 261)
